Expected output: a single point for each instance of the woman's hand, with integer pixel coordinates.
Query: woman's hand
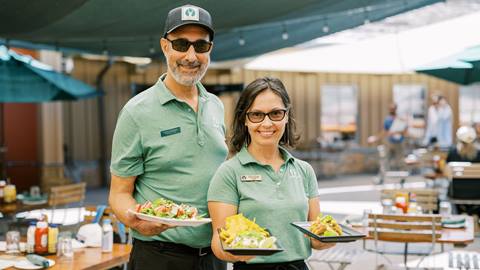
(320, 245)
(224, 255)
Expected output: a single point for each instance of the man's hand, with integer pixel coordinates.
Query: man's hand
(147, 228)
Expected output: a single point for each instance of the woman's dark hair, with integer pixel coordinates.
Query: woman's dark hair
(240, 136)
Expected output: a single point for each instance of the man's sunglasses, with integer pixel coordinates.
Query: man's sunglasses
(182, 45)
(257, 117)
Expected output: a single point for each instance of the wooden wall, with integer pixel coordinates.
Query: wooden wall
(374, 96)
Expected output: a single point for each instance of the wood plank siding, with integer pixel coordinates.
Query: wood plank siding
(374, 95)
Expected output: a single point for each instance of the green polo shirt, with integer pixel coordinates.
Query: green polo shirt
(174, 152)
(274, 200)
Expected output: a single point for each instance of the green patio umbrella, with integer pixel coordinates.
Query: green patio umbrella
(472, 55)
(24, 79)
(462, 68)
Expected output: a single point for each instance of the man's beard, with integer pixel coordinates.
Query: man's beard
(187, 79)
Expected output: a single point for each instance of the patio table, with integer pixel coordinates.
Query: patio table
(92, 259)
(458, 237)
(18, 206)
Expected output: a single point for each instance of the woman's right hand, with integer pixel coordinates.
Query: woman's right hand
(224, 255)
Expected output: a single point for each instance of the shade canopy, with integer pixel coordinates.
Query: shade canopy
(23, 79)
(132, 28)
(462, 68)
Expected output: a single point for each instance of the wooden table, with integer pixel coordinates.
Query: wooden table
(460, 237)
(18, 206)
(92, 259)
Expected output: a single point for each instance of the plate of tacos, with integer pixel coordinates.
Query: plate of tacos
(327, 229)
(242, 236)
(167, 212)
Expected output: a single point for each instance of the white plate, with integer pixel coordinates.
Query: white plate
(454, 225)
(34, 202)
(4, 264)
(173, 221)
(25, 264)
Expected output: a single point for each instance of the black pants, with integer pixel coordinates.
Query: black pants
(294, 265)
(157, 255)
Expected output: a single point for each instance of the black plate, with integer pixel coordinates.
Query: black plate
(252, 251)
(349, 235)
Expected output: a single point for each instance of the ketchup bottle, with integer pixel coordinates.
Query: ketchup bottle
(41, 238)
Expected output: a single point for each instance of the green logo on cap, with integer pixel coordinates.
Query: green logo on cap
(190, 12)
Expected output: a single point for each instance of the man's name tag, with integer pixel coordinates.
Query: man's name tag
(251, 178)
(169, 132)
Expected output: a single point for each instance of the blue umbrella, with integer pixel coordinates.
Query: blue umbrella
(24, 79)
(462, 68)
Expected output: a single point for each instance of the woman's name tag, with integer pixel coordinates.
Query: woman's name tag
(251, 178)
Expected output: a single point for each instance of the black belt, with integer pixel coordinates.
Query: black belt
(293, 265)
(178, 248)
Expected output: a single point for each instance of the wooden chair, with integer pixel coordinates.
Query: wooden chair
(426, 198)
(67, 195)
(404, 229)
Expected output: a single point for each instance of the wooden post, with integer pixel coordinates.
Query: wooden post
(51, 132)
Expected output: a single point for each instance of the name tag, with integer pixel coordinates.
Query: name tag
(251, 178)
(169, 132)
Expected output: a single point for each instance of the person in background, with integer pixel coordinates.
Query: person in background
(168, 142)
(395, 130)
(439, 123)
(465, 150)
(263, 181)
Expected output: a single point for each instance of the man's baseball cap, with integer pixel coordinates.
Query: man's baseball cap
(188, 14)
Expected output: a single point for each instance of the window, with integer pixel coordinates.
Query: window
(339, 112)
(469, 104)
(410, 100)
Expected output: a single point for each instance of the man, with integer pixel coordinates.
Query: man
(439, 123)
(168, 142)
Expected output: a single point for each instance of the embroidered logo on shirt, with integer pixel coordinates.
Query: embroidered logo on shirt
(251, 178)
(169, 132)
(293, 173)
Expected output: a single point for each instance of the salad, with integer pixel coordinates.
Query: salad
(168, 209)
(326, 226)
(240, 232)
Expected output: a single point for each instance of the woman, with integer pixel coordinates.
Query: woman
(263, 181)
(465, 150)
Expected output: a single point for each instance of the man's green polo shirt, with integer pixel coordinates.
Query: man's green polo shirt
(174, 152)
(273, 199)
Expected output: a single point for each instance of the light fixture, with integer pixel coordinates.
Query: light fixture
(284, 33)
(367, 13)
(241, 40)
(104, 49)
(152, 49)
(325, 27)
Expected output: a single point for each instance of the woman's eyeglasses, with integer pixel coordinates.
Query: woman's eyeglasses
(182, 45)
(275, 115)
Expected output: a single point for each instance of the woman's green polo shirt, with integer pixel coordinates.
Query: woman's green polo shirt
(273, 199)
